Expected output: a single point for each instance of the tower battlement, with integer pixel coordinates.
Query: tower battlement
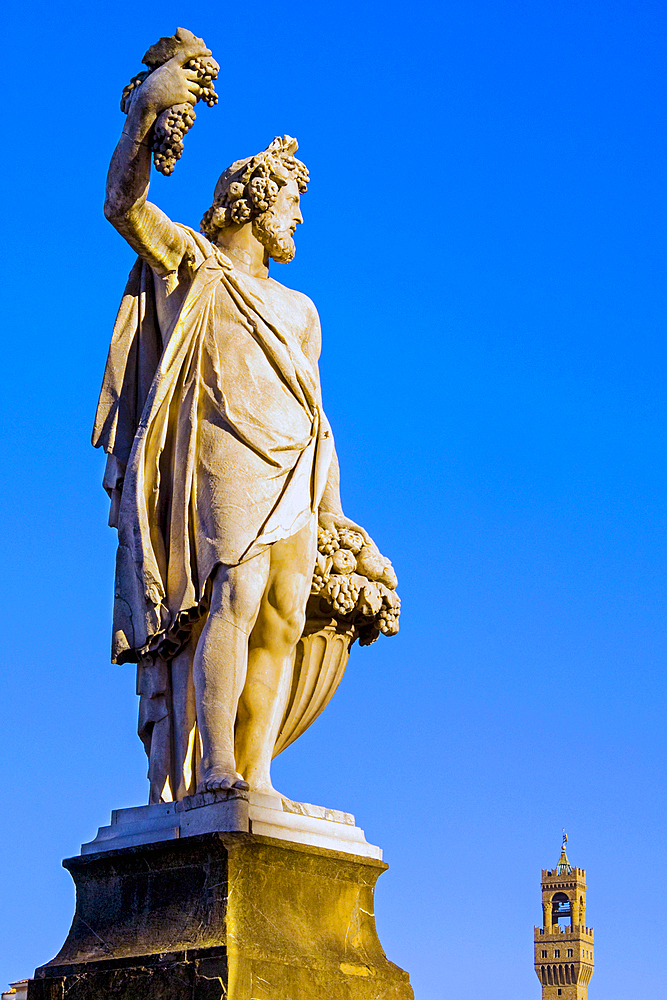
(579, 873)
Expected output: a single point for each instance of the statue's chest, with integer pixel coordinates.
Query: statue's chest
(280, 308)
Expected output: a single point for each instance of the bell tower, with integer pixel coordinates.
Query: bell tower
(564, 945)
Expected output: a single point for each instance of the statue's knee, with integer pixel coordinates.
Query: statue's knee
(278, 629)
(291, 626)
(233, 601)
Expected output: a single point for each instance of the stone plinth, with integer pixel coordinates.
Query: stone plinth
(242, 812)
(229, 915)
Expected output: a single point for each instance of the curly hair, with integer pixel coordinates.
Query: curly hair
(250, 187)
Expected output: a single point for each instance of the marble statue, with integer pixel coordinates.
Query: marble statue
(237, 570)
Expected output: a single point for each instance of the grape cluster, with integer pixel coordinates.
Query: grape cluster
(387, 619)
(342, 593)
(263, 192)
(170, 128)
(207, 70)
(173, 124)
(135, 82)
(327, 541)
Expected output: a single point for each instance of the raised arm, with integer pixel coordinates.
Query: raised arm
(147, 229)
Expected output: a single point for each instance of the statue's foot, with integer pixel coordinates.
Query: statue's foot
(262, 786)
(220, 779)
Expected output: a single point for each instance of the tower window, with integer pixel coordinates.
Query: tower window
(544, 954)
(570, 953)
(561, 909)
(557, 953)
(559, 991)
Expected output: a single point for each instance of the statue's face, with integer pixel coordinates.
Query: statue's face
(287, 206)
(275, 228)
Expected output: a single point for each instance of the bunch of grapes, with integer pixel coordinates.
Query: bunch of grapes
(387, 619)
(172, 125)
(319, 579)
(327, 541)
(170, 128)
(207, 70)
(135, 82)
(342, 593)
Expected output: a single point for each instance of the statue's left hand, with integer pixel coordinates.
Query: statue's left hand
(336, 521)
(370, 561)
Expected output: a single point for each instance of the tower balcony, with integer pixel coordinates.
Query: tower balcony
(556, 932)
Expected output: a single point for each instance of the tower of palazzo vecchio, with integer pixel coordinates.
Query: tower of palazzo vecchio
(564, 944)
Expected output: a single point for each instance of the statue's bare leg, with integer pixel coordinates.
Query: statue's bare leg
(220, 664)
(273, 641)
(184, 718)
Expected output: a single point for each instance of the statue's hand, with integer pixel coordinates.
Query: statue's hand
(369, 560)
(332, 522)
(168, 85)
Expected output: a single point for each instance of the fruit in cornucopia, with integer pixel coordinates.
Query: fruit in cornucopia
(389, 578)
(322, 564)
(341, 592)
(370, 599)
(327, 541)
(343, 561)
(374, 566)
(350, 539)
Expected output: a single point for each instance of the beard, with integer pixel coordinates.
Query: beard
(278, 242)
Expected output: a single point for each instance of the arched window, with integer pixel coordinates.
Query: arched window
(561, 909)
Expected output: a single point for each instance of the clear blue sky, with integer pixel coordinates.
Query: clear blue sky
(484, 239)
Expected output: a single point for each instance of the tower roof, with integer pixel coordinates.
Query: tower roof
(564, 867)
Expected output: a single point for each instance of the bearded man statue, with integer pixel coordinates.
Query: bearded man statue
(221, 463)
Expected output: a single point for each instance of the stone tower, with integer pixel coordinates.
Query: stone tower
(564, 945)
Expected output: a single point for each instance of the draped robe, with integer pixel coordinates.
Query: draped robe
(217, 447)
(217, 444)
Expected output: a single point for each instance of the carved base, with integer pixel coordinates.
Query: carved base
(226, 915)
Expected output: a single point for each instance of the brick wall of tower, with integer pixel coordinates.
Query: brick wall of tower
(564, 992)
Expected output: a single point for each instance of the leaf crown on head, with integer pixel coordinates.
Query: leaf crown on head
(250, 187)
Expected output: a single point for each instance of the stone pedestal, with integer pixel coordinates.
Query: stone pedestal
(231, 915)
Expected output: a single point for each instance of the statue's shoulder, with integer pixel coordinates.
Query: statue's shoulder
(199, 248)
(300, 299)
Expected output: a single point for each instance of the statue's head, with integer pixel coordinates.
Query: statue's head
(262, 190)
